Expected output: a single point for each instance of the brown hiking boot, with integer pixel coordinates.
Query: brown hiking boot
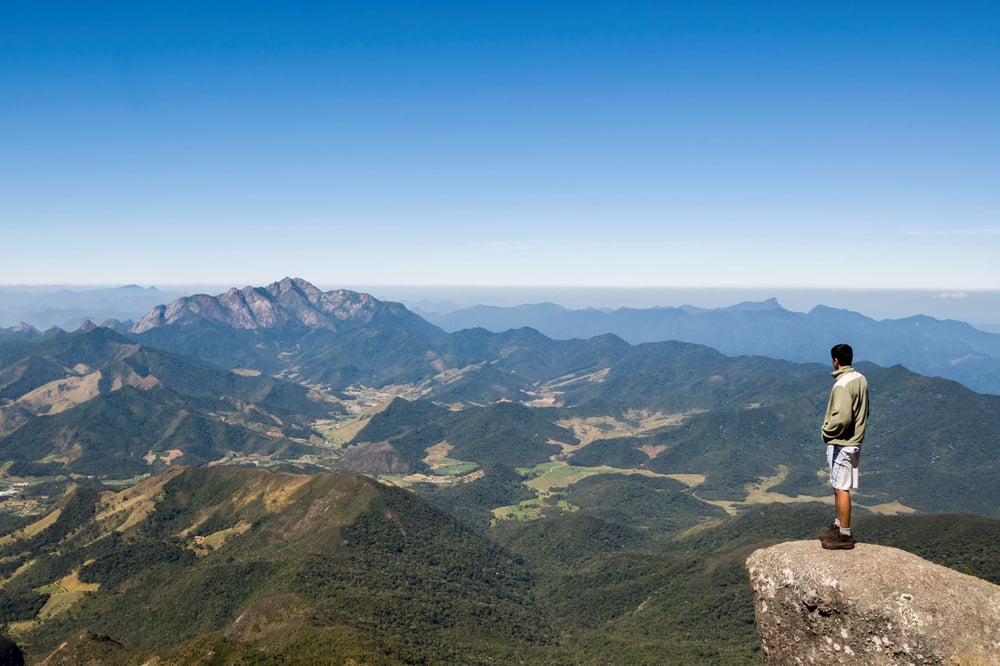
(830, 532)
(839, 542)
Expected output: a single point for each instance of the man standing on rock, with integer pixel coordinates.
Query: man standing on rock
(843, 431)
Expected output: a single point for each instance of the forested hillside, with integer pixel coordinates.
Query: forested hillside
(263, 567)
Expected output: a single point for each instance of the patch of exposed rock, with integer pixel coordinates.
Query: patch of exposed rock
(870, 605)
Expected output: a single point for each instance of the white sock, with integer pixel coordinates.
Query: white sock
(845, 531)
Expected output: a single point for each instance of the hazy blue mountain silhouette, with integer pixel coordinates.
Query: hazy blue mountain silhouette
(938, 348)
(69, 307)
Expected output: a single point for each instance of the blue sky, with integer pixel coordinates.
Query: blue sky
(619, 144)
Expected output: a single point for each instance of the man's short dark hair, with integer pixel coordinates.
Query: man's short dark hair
(843, 353)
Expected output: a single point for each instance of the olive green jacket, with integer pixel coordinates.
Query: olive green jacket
(847, 411)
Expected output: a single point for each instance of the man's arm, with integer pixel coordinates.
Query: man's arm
(839, 415)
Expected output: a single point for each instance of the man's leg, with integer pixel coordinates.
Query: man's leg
(842, 539)
(842, 501)
(841, 476)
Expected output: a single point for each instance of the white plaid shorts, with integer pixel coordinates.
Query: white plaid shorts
(844, 462)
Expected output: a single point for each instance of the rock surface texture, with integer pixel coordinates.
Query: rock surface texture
(870, 605)
(290, 302)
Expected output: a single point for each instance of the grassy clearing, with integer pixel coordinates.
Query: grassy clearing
(443, 470)
(15, 629)
(131, 506)
(362, 404)
(216, 540)
(454, 468)
(531, 509)
(890, 509)
(689, 480)
(551, 388)
(62, 594)
(339, 433)
(635, 423)
(437, 454)
(62, 394)
(441, 465)
(446, 473)
(559, 475)
(550, 479)
(34, 528)
(72, 583)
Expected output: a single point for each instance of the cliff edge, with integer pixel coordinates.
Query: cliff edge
(872, 605)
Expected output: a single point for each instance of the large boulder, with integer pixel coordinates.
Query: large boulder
(870, 605)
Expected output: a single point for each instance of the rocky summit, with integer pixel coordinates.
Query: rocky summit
(289, 302)
(871, 605)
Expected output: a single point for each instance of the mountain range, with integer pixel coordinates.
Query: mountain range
(289, 373)
(935, 347)
(68, 308)
(537, 499)
(949, 349)
(94, 403)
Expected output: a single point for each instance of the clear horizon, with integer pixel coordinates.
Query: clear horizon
(639, 145)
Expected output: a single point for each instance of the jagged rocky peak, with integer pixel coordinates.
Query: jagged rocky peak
(341, 304)
(870, 605)
(289, 302)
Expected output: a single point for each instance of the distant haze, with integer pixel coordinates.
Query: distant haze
(979, 308)
(67, 306)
